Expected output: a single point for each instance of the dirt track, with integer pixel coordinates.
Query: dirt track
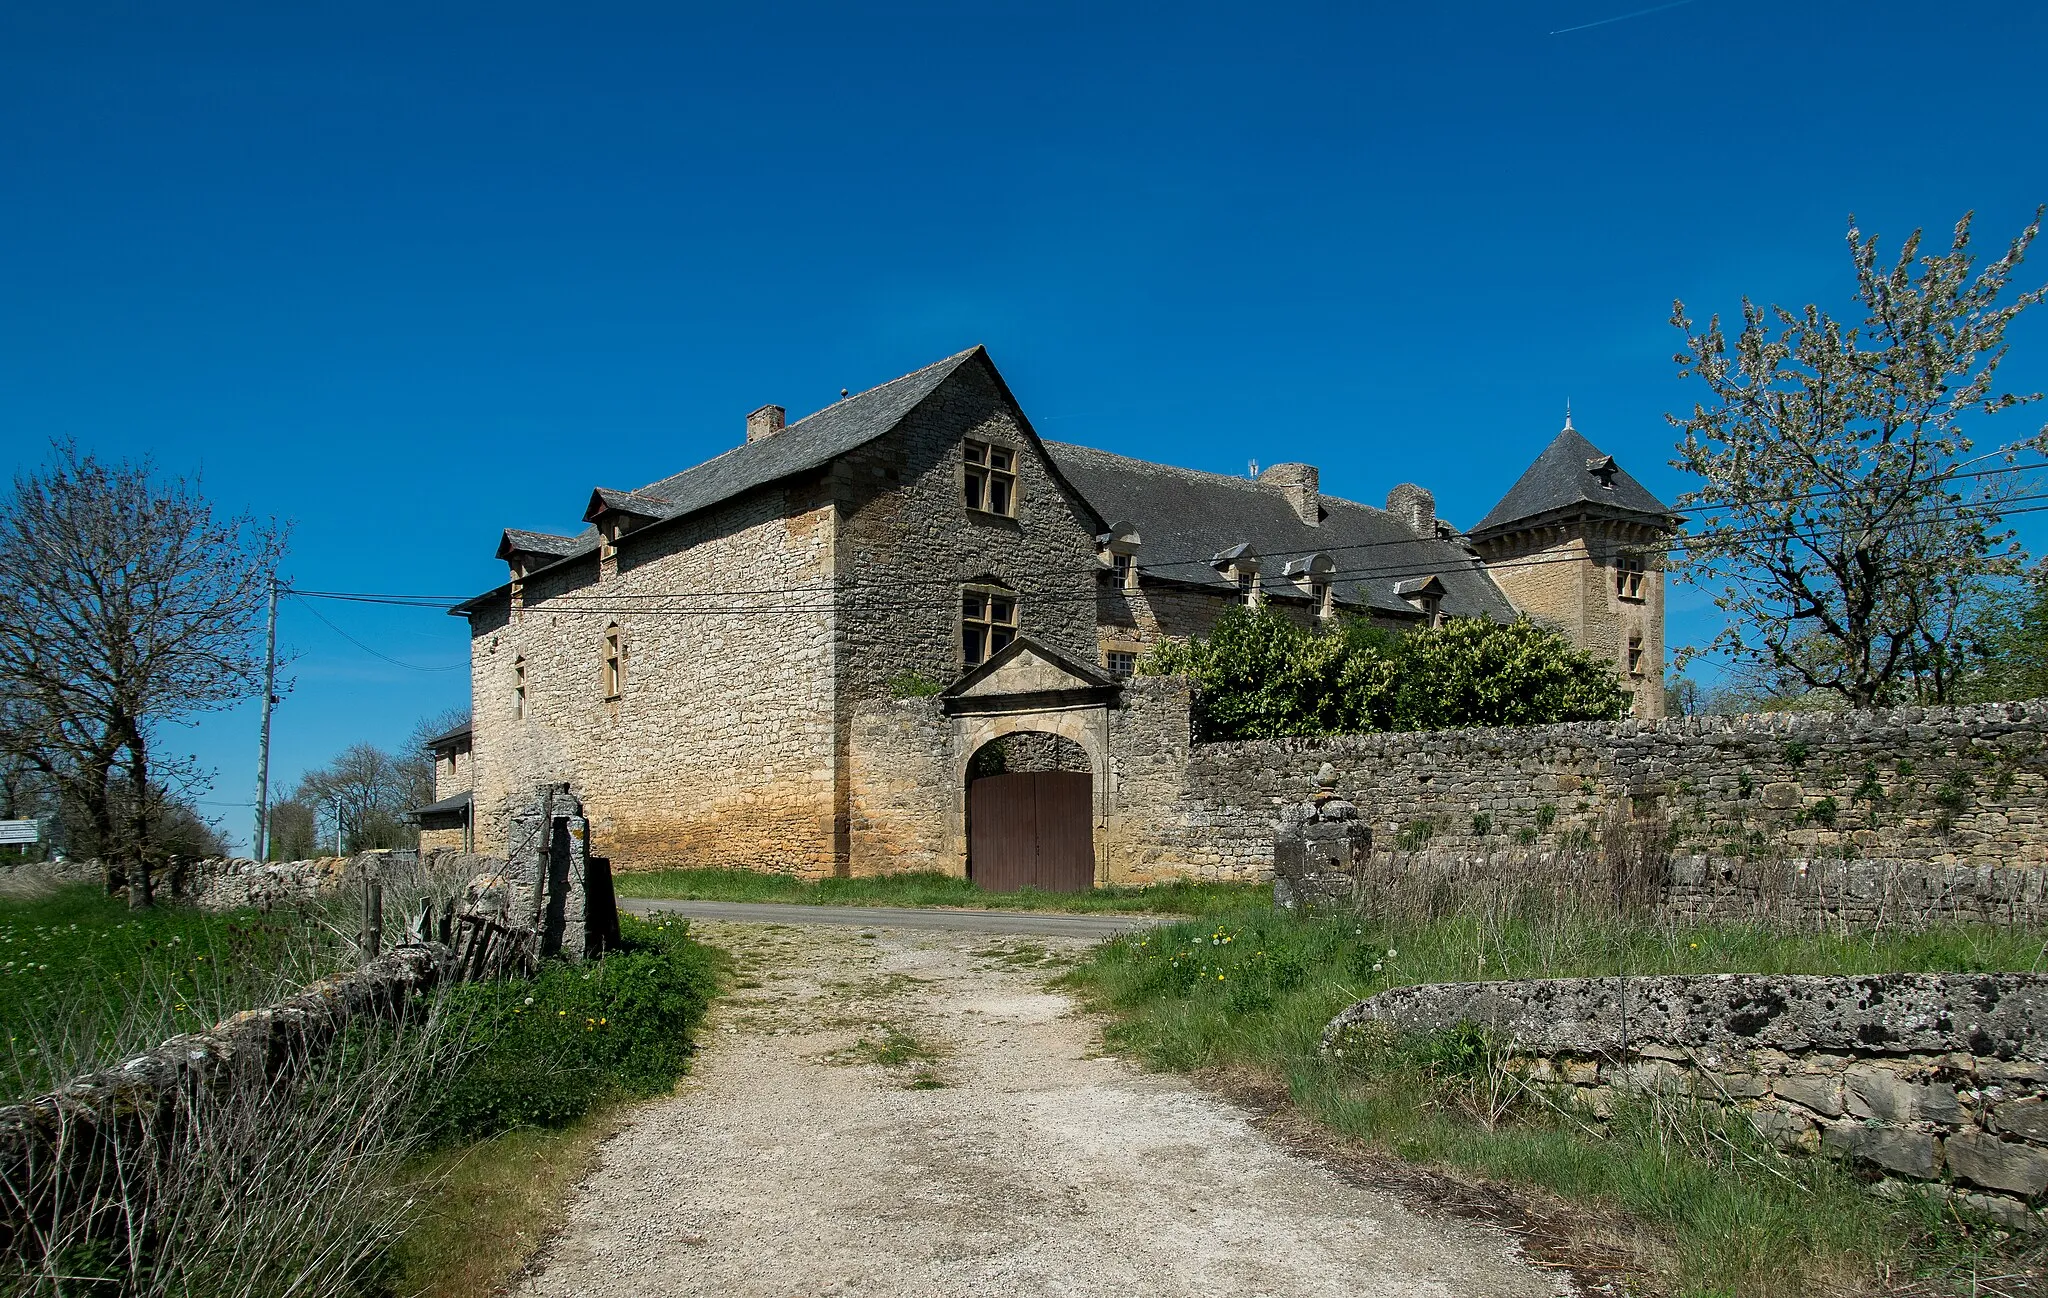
(889, 1112)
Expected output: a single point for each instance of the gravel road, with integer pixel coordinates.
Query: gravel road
(913, 1113)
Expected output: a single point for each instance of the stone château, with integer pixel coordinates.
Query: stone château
(710, 661)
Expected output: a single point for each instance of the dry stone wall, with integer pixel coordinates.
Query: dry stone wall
(1740, 801)
(1911, 1077)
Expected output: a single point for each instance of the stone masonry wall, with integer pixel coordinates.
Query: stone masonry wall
(719, 748)
(1962, 788)
(1924, 1078)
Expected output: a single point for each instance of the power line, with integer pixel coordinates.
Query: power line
(373, 652)
(1161, 565)
(617, 603)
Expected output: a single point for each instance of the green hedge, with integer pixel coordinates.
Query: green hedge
(549, 1050)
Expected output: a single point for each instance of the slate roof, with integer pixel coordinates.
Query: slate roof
(637, 503)
(448, 738)
(1562, 479)
(1185, 517)
(446, 806)
(810, 443)
(522, 542)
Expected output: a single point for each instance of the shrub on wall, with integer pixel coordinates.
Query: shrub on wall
(1259, 675)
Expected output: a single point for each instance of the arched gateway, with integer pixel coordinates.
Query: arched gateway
(1031, 784)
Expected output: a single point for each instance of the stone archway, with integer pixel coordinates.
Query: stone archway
(1029, 690)
(1030, 814)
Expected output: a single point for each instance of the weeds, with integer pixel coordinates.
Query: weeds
(1727, 1214)
(1177, 897)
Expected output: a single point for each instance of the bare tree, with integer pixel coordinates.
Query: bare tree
(1845, 521)
(131, 606)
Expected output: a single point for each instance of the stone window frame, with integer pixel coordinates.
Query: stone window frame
(614, 663)
(1124, 568)
(1635, 652)
(1124, 670)
(608, 541)
(988, 476)
(987, 627)
(1323, 596)
(518, 586)
(1630, 576)
(519, 687)
(1249, 592)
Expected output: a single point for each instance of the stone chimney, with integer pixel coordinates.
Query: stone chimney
(765, 422)
(1415, 508)
(1299, 483)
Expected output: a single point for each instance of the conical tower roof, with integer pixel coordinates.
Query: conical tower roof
(1572, 474)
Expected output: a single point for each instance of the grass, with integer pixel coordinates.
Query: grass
(84, 979)
(1253, 989)
(488, 1207)
(932, 889)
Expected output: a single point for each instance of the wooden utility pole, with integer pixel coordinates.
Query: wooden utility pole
(260, 847)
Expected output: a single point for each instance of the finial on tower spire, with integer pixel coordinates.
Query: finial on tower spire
(1568, 415)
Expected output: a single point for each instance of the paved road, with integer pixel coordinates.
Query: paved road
(1037, 924)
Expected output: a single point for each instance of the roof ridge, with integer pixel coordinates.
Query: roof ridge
(1207, 474)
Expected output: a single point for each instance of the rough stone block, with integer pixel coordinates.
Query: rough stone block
(1876, 1092)
(1998, 1164)
(1821, 1094)
(1735, 1086)
(2009, 1213)
(1782, 1127)
(1909, 1153)
(2028, 1118)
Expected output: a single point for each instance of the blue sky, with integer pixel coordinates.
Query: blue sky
(407, 275)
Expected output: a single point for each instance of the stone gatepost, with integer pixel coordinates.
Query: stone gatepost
(550, 854)
(1320, 851)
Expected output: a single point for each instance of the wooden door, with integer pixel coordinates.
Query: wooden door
(1033, 829)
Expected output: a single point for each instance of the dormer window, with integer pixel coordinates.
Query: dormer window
(1119, 549)
(991, 478)
(1248, 586)
(1628, 576)
(1426, 596)
(1311, 575)
(1603, 470)
(607, 541)
(1126, 569)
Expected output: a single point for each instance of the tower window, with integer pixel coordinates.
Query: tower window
(614, 663)
(991, 479)
(988, 621)
(1628, 576)
(1635, 653)
(519, 688)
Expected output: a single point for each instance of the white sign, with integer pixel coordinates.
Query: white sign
(18, 831)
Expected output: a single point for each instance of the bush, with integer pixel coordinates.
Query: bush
(550, 1050)
(1258, 675)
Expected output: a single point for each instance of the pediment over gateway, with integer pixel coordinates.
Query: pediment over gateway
(1025, 667)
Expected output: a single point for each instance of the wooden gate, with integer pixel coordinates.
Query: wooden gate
(1034, 829)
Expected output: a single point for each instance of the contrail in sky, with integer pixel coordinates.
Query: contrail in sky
(1654, 9)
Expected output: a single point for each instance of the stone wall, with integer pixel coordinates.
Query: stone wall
(67, 1133)
(719, 747)
(1911, 1077)
(1963, 788)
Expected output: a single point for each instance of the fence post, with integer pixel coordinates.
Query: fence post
(373, 914)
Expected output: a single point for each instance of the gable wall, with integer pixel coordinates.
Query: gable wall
(719, 750)
(907, 543)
